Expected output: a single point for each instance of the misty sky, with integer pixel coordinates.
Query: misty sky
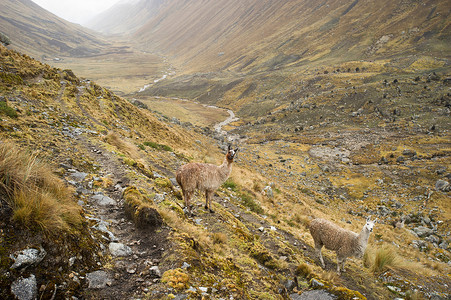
(76, 11)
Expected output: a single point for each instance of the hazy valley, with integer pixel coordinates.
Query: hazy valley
(342, 110)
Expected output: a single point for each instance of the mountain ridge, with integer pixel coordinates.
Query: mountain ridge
(39, 33)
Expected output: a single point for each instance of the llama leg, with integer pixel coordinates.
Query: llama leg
(187, 196)
(343, 264)
(208, 196)
(318, 252)
(340, 262)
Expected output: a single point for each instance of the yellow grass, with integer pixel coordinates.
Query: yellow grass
(38, 198)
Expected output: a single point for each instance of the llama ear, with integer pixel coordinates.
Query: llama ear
(375, 221)
(236, 150)
(368, 218)
(229, 147)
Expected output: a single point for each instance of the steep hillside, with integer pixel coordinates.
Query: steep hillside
(135, 241)
(37, 32)
(125, 16)
(205, 36)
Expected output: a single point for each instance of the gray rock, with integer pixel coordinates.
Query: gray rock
(433, 239)
(316, 284)
(186, 265)
(422, 231)
(173, 181)
(103, 200)
(102, 226)
(98, 279)
(159, 197)
(422, 245)
(409, 152)
(442, 185)
(119, 249)
(313, 295)
(268, 192)
(25, 288)
(443, 245)
(28, 257)
(77, 176)
(155, 271)
(290, 285)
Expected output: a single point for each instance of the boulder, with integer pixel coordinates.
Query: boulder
(98, 279)
(103, 200)
(422, 231)
(27, 257)
(119, 249)
(25, 288)
(442, 185)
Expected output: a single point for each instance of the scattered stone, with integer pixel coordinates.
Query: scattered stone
(102, 226)
(442, 185)
(186, 265)
(268, 192)
(409, 153)
(98, 279)
(422, 231)
(316, 284)
(313, 295)
(290, 285)
(77, 176)
(400, 159)
(261, 228)
(159, 197)
(25, 288)
(103, 200)
(119, 249)
(28, 257)
(155, 271)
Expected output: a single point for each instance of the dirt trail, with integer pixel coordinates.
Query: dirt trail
(130, 273)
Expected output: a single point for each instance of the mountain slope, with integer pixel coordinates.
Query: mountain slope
(125, 16)
(120, 161)
(263, 35)
(36, 31)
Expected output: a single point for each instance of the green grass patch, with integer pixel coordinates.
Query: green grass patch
(249, 202)
(7, 110)
(229, 184)
(158, 146)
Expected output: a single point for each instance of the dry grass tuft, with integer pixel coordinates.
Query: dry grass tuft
(38, 198)
(384, 258)
(304, 270)
(219, 238)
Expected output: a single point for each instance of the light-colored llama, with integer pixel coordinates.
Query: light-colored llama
(344, 242)
(204, 177)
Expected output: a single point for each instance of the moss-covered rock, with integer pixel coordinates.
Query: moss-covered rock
(139, 208)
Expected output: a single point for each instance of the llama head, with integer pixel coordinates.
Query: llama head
(370, 224)
(231, 153)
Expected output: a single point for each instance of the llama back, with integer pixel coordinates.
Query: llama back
(200, 176)
(331, 235)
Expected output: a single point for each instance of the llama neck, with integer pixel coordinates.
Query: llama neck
(225, 169)
(362, 240)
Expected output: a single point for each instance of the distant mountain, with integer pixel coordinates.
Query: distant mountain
(125, 16)
(37, 32)
(246, 35)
